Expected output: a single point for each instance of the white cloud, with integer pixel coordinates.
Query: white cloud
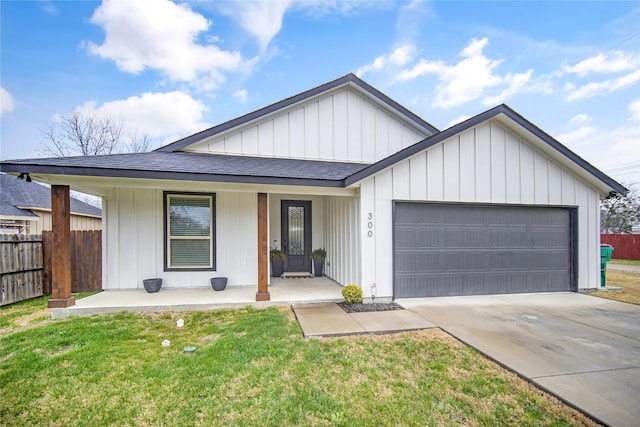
(261, 18)
(163, 116)
(470, 78)
(606, 148)
(162, 35)
(598, 88)
(577, 137)
(48, 7)
(579, 119)
(613, 63)
(634, 107)
(241, 95)
(516, 82)
(457, 120)
(398, 57)
(6, 102)
(411, 19)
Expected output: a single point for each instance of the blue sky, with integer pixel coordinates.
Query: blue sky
(173, 68)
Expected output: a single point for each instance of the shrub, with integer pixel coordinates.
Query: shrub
(352, 294)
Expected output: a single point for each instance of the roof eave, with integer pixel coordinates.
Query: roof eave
(18, 167)
(500, 110)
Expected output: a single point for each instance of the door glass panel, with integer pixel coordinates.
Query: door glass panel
(296, 230)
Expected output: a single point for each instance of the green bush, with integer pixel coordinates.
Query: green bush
(352, 294)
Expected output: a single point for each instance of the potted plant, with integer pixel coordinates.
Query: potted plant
(318, 256)
(218, 283)
(277, 262)
(152, 285)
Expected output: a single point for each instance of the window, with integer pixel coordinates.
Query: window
(189, 231)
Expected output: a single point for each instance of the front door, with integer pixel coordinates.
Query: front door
(296, 234)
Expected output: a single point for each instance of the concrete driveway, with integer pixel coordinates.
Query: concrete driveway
(583, 349)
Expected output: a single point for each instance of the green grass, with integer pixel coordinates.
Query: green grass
(252, 367)
(625, 261)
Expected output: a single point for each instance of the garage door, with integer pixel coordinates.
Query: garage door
(461, 249)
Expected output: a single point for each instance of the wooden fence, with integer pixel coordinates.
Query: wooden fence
(86, 261)
(625, 246)
(21, 267)
(25, 266)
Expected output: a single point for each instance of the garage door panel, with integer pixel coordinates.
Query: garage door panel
(444, 250)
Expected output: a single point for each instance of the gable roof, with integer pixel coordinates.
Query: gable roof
(194, 167)
(496, 112)
(345, 80)
(18, 197)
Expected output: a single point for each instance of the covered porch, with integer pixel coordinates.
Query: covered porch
(282, 292)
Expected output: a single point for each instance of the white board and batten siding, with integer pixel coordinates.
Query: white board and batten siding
(344, 125)
(133, 241)
(341, 238)
(485, 164)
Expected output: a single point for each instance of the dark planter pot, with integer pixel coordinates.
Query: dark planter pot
(318, 267)
(152, 285)
(218, 283)
(277, 267)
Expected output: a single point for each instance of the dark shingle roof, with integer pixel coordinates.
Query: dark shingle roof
(195, 167)
(17, 193)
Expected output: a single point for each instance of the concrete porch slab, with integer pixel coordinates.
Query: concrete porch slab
(282, 292)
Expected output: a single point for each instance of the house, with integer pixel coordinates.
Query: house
(25, 208)
(490, 205)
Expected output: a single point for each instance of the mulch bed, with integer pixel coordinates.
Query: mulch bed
(365, 308)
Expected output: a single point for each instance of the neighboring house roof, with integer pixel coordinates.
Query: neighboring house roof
(348, 79)
(19, 197)
(195, 167)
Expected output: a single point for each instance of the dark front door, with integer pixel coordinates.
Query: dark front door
(296, 234)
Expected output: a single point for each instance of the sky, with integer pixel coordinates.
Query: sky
(171, 68)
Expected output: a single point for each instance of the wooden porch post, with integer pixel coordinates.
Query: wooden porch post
(61, 251)
(263, 267)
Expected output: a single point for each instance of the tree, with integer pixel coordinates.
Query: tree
(619, 214)
(85, 133)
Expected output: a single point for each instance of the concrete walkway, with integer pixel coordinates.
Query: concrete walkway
(327, 320)
(583, 349)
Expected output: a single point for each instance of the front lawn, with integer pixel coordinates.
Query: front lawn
(625, 261)
(252, 367)
(629, 282)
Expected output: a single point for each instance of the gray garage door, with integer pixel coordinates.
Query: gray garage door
(461, 249)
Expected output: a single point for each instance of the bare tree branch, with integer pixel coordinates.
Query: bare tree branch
(82, 133)
(139, 143)
(618, 215)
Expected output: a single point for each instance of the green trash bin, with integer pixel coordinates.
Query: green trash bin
(605, 256)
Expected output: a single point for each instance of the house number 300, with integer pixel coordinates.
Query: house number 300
(370, 224)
